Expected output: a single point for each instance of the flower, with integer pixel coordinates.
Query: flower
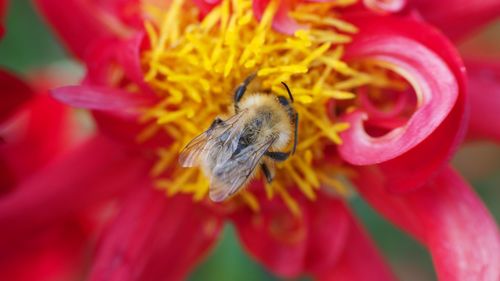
(153, 67)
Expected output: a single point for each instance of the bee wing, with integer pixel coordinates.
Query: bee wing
(220, 136)
(189, 156)
(230, 176)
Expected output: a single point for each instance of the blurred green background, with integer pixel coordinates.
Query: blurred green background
(29, 44)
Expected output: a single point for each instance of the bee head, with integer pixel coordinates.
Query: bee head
(283, 101)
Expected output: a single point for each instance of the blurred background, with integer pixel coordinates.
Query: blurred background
(30, 45)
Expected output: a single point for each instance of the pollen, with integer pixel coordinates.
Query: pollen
(194, 64)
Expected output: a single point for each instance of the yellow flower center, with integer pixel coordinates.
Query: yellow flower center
(195, 65)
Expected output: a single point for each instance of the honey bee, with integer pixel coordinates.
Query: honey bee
(230, 150)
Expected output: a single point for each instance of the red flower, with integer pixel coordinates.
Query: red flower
(398, 158)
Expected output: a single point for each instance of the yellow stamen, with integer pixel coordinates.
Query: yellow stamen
(269, 191)
(166, 158)
(303, 185)
(333, 22)
(147, 133)
(250, 200)
(334, 184)
(292, 205)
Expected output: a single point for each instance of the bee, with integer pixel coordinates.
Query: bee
(229, 151)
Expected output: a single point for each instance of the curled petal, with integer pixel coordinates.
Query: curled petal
(414, 152)
(14, 93)
(436, 97)
(282, 21)
(358, 253)
(95, 171)
(388, 119)
(154, 236)
(292, 245)
(81, 23)
(484, 91)
(447, 217)
(457, 18)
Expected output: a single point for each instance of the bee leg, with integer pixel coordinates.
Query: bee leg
(277, 155)
(267, 172)
(240, 91)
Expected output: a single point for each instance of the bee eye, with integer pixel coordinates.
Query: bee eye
(284, 101)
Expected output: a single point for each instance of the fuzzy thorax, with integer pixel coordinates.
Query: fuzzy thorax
(273, 116)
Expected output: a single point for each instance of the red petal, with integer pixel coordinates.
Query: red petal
(96, 171)
(129, 57)
(155, 238)
(327, 234)
(416, 151)
(104, 57)
(31, 144)
(81, 22)
(14, 93)
(458, 18)
(101, 98)
(125, 129)
(128, 12)
(56, 254)
(385, 6)
(360, 260)
(447, 217)
(289, 246)
(101, 62)
(282, 21)
(484, 90)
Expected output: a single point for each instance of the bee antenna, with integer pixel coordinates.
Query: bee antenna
(288, 90)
